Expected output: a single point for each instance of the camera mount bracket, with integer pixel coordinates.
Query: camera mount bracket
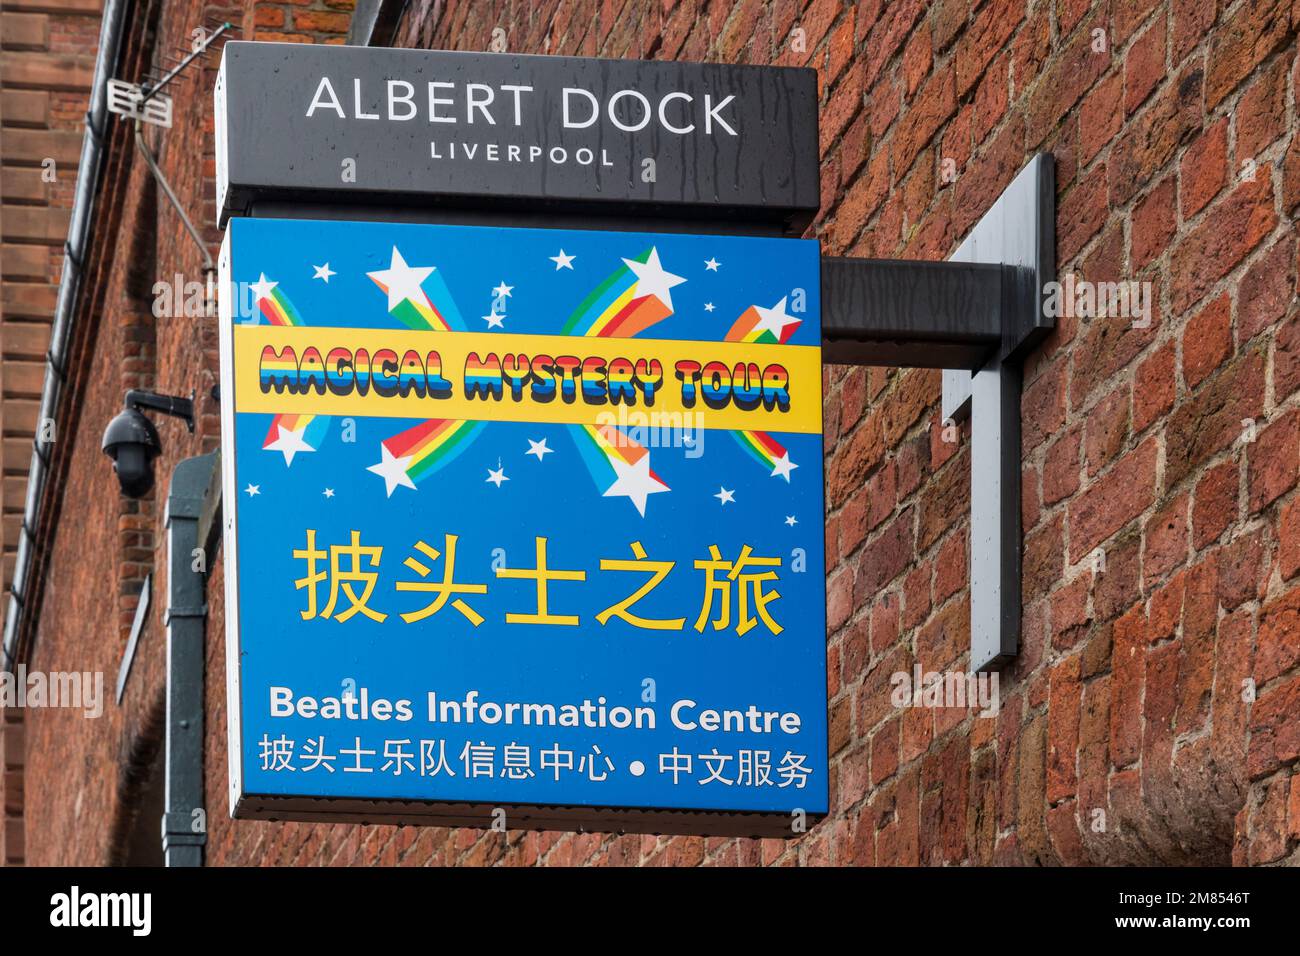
(173, 405)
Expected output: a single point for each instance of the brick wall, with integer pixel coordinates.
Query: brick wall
(1152, 714)
(47, 50)
(1173, 126)
(83, 775)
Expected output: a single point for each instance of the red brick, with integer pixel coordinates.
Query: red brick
(1242, 569)
(1293, 810)
(1166, 540)
(1153, 388)
(1063, 730)
(1232, 668)
(983, 38)
(1288, 533)
(1152, 223)
(950, 574)
(1267, 289)
(1159, 704)
(1061, 467)
(1286, 356)
(1106, 430)
(1113, 500)
(1274, 731)
(843, 106)
(1128, 673)
(989, 173)
(1165, 609)
(1273, 461)
(1070, 618)
(1204, 169)
(840, 50)
(1042, 562)
(1144, 65)
(934, 104)
(1279, 637)
(884, 35)
(855, 458)
(1191, 21)
(888, 554)
(918, 731)
(1215, 503)
(1119, 587)
(1043, 407)
(266, 16)
(1207, 340)
(884, 752)
(943, 501)
(1106, 345)
(917, 57)
(1083, 212)
(1211, 419)
(1074, 71)
(1291, 178)
(916, 595)
(1155, 135)
(855, 146)
(1243, 41)
(839, 598)
(1260, 116)
(1029, 49)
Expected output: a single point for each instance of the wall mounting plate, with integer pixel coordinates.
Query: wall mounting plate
(976, 316)
(1019, 230)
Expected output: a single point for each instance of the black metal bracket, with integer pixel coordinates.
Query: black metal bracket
(173, 405)
(976, 316)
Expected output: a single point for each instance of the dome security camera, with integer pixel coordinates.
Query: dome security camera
(131, 440)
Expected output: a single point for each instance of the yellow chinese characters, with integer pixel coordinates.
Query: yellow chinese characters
(349, 575)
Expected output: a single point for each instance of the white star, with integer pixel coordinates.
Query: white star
(539, 449)
(498, 476)
(711, 265)
(774, 320)
(289, 443)
(783, 467)
(328, 492)
(790, 520)
(708, 306)
(503, 291)
(262, 288)
(392, 470)
(324, 272)
(494, 320)
(651, 279)
(562, 261)
(725, 496)
(635, 482)
(253, 490)
(402, 281)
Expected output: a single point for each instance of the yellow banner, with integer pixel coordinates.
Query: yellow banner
(510, 377)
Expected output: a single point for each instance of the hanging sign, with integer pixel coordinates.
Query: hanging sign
(524, 523)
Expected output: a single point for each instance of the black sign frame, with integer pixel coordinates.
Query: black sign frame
(719, 142)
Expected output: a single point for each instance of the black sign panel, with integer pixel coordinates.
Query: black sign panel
(682, 140)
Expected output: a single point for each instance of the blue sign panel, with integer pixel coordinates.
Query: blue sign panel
(523, 518)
